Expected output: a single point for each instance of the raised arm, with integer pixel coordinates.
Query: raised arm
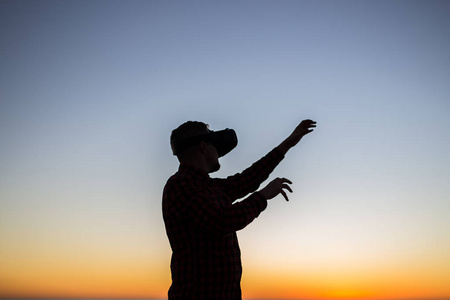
(249, 180)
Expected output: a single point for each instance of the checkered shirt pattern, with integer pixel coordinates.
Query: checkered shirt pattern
(201, 223)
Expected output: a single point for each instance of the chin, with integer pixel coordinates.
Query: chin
(215, 168)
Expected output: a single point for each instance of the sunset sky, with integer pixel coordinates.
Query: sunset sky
(90, 91)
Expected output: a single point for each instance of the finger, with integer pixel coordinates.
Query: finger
(287, 187)
(285, 180)
(310, 123)
(284, 195)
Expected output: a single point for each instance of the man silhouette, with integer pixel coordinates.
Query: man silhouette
(200, 217)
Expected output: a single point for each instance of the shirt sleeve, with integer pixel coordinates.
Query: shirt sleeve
(241, 184)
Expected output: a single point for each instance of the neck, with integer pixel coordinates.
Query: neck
(198, 164)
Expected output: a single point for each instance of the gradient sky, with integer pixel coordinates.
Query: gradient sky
(90, 91)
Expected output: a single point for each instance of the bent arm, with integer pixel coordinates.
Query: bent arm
(228, 219)
(210, 212)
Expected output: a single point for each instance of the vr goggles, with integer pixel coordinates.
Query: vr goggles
(224, 141)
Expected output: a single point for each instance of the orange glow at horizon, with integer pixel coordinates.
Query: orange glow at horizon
(129, 283)
(133, 282)
(83, 277)
(126, 283)
(308, 284)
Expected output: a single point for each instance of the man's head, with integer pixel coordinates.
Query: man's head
(192, 143)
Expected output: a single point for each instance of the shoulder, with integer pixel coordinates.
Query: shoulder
(174, 181)
(184, 180)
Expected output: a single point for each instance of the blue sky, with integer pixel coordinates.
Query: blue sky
(90, 91)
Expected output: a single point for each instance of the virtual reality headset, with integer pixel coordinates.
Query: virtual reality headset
(224, 141)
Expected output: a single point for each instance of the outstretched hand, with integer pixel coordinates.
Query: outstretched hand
(275, 187)
(305, 127)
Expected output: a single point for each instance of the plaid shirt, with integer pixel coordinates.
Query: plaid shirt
(201, 224)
